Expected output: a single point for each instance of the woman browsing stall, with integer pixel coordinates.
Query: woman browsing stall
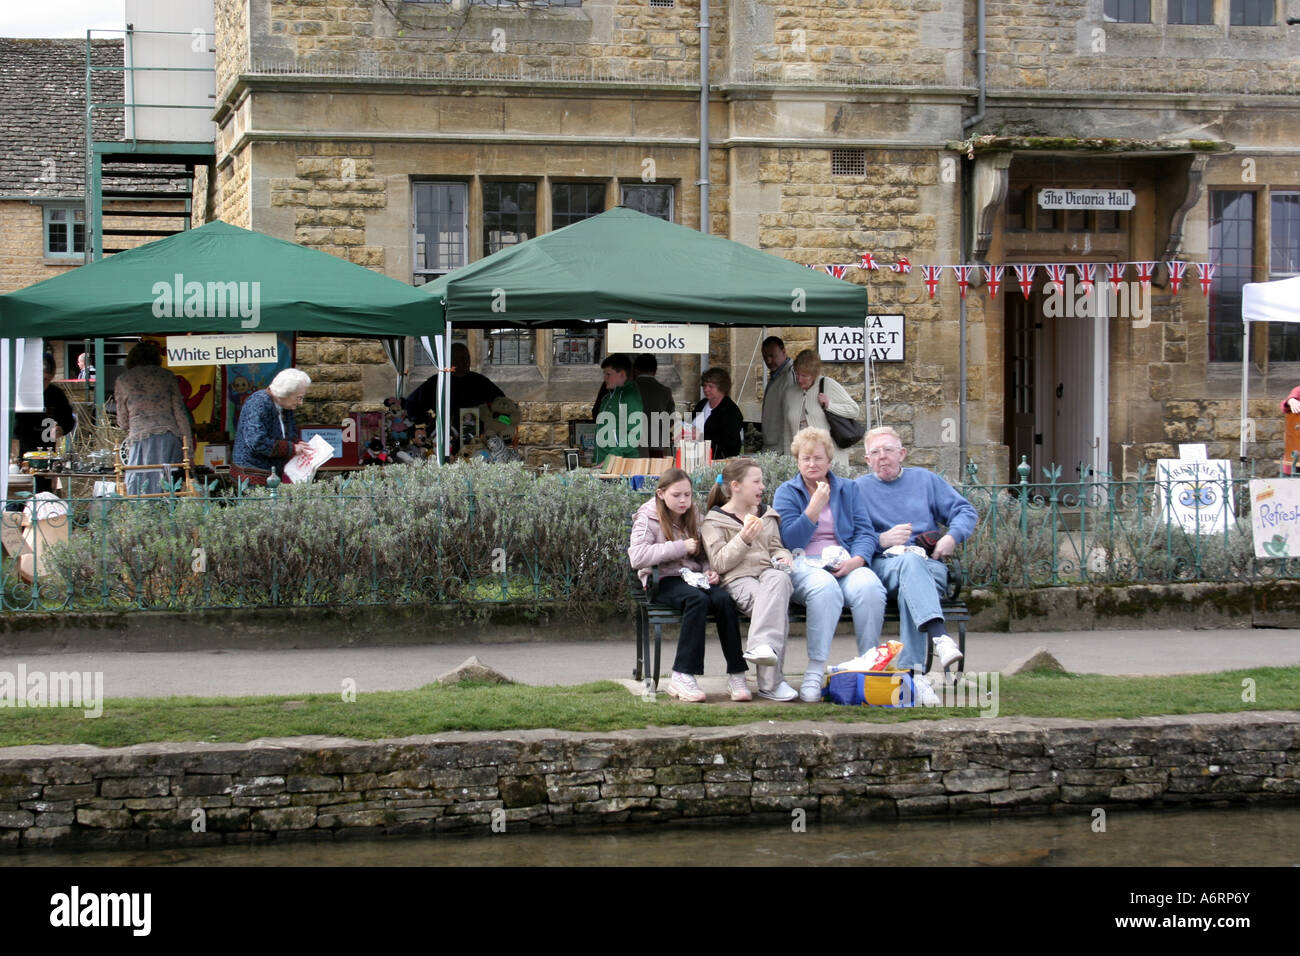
(742, 537)
(267, 437)
(666, 536)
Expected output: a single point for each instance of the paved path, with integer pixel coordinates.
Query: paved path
(252, 673)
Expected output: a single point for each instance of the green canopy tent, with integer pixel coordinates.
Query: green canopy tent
(623, 265)
(214, 279)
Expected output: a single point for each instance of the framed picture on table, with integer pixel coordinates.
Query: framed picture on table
(582, 436)
(468, 425)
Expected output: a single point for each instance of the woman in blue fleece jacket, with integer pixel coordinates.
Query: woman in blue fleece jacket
(819, 509)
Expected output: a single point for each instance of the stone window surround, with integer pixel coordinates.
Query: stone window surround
(543, 370)
(61, 256)
(1159, 22)
(1262, 261)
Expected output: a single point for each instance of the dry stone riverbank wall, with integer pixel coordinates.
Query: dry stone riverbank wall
(171, 794)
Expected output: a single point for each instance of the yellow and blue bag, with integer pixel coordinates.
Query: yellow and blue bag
(869, 688)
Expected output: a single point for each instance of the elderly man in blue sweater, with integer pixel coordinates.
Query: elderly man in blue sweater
(905, 503)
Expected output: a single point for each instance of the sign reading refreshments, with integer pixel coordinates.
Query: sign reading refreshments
(637, 337)
(231, 349)
(1061, 198)
(884, 333)
(1275, 517)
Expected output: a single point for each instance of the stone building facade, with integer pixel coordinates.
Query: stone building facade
(416, 137)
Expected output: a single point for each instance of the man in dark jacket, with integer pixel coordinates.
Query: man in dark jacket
(658, 406)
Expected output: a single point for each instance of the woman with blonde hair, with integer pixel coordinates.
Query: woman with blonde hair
(821, 511)
(665, 535)
(742, 537)
(811, 397)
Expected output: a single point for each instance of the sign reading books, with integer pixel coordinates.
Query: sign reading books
(848, 343)
(637, 337)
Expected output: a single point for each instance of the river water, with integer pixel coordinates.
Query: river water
(1244, 836)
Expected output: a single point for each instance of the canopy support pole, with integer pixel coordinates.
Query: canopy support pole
(1245, 377)
(866, 368)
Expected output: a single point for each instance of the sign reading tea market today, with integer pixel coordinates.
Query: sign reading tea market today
(232, 349)
(848, 343)
(637, 337)
(1060, 198)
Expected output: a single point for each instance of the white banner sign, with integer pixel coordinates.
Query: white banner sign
(845, 343)
(637, 337)
(1275, 517)
(221, 349)
(1056, 198)
(1198, 493)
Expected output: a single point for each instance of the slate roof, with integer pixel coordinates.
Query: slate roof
(43, 110)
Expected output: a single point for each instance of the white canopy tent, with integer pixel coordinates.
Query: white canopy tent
(1264, 302)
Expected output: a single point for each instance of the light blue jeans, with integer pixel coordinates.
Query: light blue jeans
(918, 583)
(824, 596)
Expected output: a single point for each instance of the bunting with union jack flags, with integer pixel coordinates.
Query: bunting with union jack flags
(1025, 276)
(931, 278)
(1177, 270)
(993, 278)
(1205, 271)
(963, 278)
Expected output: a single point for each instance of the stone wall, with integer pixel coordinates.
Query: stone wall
(1067, 45)
(621, 39)
(193, 794)
(22, 240)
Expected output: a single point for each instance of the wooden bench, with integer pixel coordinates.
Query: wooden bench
(651, 616)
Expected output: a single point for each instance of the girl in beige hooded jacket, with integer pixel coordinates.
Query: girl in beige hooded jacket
(742, 537)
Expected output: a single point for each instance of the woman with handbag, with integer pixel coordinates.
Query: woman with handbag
(666, 535)
(813, 398)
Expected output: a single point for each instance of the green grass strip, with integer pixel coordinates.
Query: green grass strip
(604, 706)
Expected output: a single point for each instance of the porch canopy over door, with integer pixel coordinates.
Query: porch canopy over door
(1264, 302)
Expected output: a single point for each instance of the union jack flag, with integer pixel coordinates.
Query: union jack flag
(1115, 273)
(902, 265)
(993, 276)
(1206, 272)
(836, 271)
(1057, 273)
(1087, 275)
(1025, 276)
(869, 262)
(931, 274)
(1177, 270)
(811, 266)
(1144, 272)
(963, 278)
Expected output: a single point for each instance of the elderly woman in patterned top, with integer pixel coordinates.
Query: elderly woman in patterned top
(267, 437)
(152, 412)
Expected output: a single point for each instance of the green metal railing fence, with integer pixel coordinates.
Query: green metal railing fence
(476, 536)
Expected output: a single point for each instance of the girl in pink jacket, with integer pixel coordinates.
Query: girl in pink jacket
(665, 534)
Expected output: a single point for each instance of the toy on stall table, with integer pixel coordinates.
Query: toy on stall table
(421, 444)
(374, 454)
(399, 424)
